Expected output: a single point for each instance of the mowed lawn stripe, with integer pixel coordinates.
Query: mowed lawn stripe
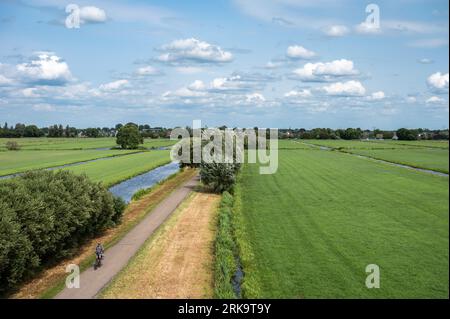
(324, 216)
(118, 169)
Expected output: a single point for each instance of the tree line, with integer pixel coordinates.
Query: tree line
(58, 130)
(146, 131)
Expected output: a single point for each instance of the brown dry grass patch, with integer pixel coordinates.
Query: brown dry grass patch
(177, 261)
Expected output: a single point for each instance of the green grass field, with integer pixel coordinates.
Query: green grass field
(12, 162)
(435, 158)
(424, 143)
(356, 144)
(314, 226)
(117, 169)
(75, 143)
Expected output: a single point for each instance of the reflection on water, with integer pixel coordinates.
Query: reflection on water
(127, 188)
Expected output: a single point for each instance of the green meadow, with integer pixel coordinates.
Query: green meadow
(310, 230)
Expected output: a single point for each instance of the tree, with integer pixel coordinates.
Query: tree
(92, 132)
(45, 215)
(406, 134)
(129, 137)
(32, 131)
(219, 177)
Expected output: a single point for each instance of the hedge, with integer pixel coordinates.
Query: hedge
(44, 215)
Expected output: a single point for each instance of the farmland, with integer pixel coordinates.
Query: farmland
(75, 143)
(310, 230)
(21, 161)
(117, 169)
(40, 153)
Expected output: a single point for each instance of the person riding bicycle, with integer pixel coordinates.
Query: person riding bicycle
(99, 251)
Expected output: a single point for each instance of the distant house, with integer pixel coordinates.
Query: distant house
(379, 136)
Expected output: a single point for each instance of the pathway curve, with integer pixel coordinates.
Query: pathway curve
(116, 257)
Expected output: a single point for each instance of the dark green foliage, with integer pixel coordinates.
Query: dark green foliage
(219, 177)
(129, 137)
(225, 250)
(407, 135)
(44, 215)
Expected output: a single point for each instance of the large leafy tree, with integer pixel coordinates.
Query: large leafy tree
(129, 137)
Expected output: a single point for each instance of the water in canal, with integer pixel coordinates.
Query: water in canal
(127, 188)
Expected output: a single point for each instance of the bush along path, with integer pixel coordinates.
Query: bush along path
(116, 257)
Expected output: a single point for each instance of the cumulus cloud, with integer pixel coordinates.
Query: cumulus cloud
(438, 82)
(303, 93)
(299, 52)
(114, 86)
(316, 72)
(148, 71)
(435, 100)
(91, 14)
(47, 69)
(186, 51)
(336, 31)
(255, 98)
(349, 88)
(197, 85)
(376, 96)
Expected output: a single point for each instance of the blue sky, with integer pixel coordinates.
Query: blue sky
(245, 63)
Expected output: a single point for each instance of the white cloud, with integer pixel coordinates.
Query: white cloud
(336, 31)
(114, 86)
(197, 85)
(255, 98)
(46, 68)
(425, 61)
(231, 83)
(377, 96)
(367, 28)
(273, 65)
(435, 100)
(325, 71)
(43, 107)
(299, 52)
(411, 99)
(193, 51)
(29, 92)
(148, 70)
(304, 93)
(91, 14)
(4, 80)
(438, 82)
(349, 88)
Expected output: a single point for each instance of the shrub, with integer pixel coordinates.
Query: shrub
(45, 215)
(219, 177)
(225, 250)
(12, 146)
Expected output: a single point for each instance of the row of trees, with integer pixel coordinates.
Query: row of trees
(58, 130)
(358, 133)
(45, 215)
